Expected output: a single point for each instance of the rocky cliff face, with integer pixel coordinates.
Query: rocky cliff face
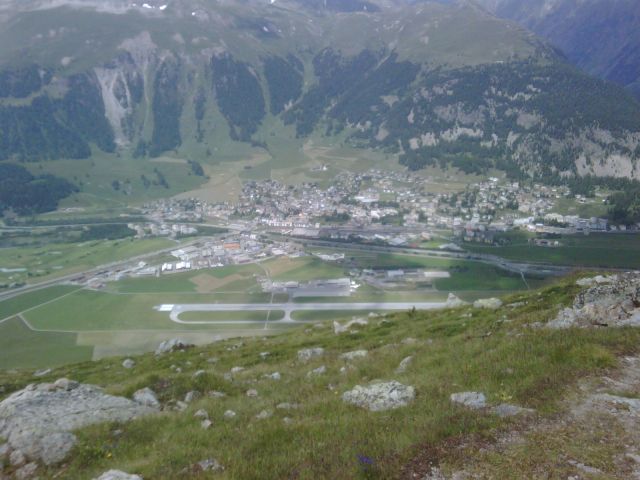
(436, 83)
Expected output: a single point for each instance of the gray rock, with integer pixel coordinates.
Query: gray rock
(346, 327)
(489, 303)
(287, 406)
(201, 414)
(307, 354)
(172, 345)
(118, 475)
(378, 397)
(229, 414)
(404, 364)
(198, 373)
(356, 354)
(264, 355)
(42, 373)
(38, 420)
(273, 376)
(237, 370)
(252, 392)
(263, 415)
(128, 363)
(474, 400)
(507, 410)
(609, 301)
(26, 472)
(212, 360)
(206, 424)
(192, 396)
(216, 394)
(210, 465)
(453, 301)
(147, 397)
(321, 370)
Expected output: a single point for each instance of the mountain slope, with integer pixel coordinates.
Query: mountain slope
(600, 36)
(296, 424)
(431, 83)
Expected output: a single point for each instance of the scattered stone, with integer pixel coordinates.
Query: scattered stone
(118, 475)
(307, 354)
(172, 345)
(206, 424)
(379, 397)
(212, 360)
(273, 376)
(585, 468)
(201, 414)
(404, 364)
(356, 354)
(489, 303)
(287, 420)
(180, 406)
(229, 414)
(516, 304)
(38, 420)
(216, 394)
(128, 363)
(264, 355)
(453, 301)
(287, 406)
(252, 392)
(210, 465)
(343, 328)
(506, 410)
(473, 400)
(42, 373)
(263, 415)
(235, 370)
(198, 373)
(409, 341)
(611, 303)
(192, 396)
(26, 472)
(317, 371)
(146, 397)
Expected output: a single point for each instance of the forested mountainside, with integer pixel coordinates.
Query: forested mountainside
(600, 36)
(436, 83)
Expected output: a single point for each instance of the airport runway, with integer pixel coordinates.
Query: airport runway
(287, 308)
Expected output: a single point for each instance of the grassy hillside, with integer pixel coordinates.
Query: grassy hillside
(495, 352)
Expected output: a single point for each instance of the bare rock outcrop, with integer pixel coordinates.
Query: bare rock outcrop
(38, 421)
(378, 397)
(608, 301)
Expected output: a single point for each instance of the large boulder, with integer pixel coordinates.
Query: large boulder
(39, 420)
(378, 397)
(608, 301)
(172, 345)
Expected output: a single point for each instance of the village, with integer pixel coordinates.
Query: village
(385, 207)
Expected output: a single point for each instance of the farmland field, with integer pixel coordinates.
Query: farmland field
(607, 250)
